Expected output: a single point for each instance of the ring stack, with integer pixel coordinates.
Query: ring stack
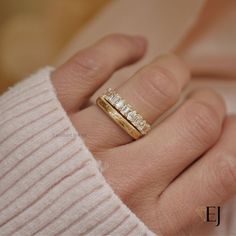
(123, 114)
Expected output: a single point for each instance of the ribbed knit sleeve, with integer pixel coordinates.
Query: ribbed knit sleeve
(50, 183)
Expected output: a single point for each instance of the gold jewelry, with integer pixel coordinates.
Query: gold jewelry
(123, 114)
(118, 118)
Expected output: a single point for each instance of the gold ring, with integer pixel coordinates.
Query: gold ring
(123, 114)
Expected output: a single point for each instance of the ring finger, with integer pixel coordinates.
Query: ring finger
(151, 91)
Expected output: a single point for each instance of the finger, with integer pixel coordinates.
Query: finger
(210, 181)
(156, 87)
(81, 76)
(151, 91)
(174, 144)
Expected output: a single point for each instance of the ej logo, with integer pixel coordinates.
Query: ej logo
(213, 214)
(210, 214)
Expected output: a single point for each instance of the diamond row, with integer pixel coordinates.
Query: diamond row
(127, 111)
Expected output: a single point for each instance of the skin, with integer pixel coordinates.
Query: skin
(186, 161)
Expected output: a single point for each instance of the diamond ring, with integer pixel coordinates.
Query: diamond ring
(123, 114)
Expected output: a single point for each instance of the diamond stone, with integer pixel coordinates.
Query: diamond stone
(132, 116)
(141, 125)
(110, 97)
(139, 120)
(120, 104)
(125, 110)
(114, 98)
(145, 128)
(109, 91)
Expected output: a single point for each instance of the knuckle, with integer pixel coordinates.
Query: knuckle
(225, 174)
(89, 63)
(161, 84)
(205, 122)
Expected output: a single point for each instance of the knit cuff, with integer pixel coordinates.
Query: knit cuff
(50, 183)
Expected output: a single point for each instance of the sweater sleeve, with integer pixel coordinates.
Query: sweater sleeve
(50, 183)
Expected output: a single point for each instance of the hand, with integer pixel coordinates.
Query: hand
(185, 162)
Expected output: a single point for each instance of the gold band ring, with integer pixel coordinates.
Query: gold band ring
(123, 114)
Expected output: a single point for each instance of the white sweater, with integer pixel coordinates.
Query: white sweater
(50, 183)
